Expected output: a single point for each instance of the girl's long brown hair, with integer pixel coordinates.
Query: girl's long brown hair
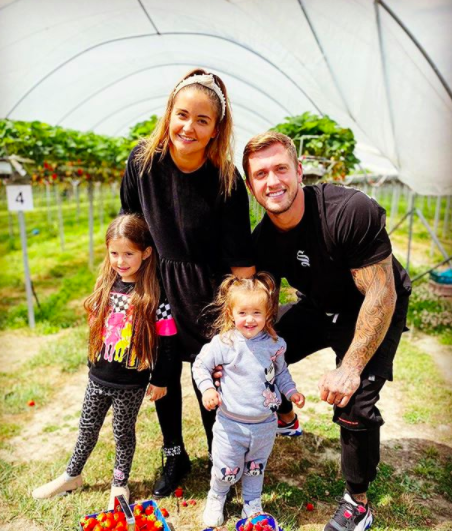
(260, 283)
(220, 150)
(144, 299)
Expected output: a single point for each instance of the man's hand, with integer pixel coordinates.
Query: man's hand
(298, 399)
(338, 386)
(155, 393)
(211, 399)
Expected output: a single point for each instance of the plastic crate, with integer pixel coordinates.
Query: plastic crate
(128, 511)
(157, 512)
(271, 520)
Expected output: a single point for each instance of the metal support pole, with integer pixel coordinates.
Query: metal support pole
(410, 230)
(435, 226)
(28, 289)
(394, 205)
(91, 224)
(446, 218)
(432, 234)
(48, 200)
(60, 216)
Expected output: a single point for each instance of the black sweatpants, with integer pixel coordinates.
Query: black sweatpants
(307, 330)
(126, 405)
(169, 411)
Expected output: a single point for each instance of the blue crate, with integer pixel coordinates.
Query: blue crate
(157, 512)
(128, 511)
(259, 518)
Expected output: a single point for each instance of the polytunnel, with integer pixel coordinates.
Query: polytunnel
(382, 68)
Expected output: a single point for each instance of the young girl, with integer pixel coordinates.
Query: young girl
(125, 319)
(184, 182)
(254, 375)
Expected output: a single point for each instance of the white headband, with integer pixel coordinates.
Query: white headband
(208, 81)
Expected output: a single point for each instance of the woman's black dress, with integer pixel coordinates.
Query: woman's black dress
(198, 234)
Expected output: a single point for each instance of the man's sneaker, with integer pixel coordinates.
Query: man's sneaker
(291, 429)
(252, 507)
(350, 516)
(213, 511)
(60, 486)
(176, 466)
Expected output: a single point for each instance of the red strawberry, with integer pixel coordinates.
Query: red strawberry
(164, 512)
(192, 502)
(309, 507)
(31, 403)
(178, 492)
(138, 509)
(184, 503)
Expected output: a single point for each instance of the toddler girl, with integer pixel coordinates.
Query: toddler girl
(253, 376)
(125, 319)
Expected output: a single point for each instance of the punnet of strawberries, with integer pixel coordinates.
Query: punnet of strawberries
(145, 520)
(261, 525)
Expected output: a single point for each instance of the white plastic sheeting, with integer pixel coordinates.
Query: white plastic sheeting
(104, 65)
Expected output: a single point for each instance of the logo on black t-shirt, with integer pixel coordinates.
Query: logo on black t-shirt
(304, 260)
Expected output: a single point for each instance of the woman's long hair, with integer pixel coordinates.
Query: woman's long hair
(144, 299)
(220, 150)
(261, 284)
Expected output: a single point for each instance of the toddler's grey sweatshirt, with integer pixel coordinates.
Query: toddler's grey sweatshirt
(254, 374)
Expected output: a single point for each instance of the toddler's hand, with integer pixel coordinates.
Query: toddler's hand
(155, 393)
(297, 399)
(211, 399)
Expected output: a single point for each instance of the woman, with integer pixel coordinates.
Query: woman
(183, 180)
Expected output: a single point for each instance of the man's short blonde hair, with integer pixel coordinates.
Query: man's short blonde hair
(265, 140)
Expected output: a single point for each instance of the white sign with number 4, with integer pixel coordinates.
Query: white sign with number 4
(19, 197)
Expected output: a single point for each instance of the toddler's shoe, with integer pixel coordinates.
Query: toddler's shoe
(116, 491)
(213, 512)
(60, 486)
(291, 429)
(252, 507)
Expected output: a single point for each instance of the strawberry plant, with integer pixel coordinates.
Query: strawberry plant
(324, 139)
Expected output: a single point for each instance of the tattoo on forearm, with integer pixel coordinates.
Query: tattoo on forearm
(376, 283)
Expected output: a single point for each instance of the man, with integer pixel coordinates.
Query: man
(330, 243)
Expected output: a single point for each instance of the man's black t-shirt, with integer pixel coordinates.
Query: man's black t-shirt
(341, 229)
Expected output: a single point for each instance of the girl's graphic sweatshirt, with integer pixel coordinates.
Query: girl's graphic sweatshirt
(254, 374)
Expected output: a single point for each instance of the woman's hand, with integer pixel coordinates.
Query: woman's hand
(298, 399)
(155, 393)
(211, 399)
(217, 374)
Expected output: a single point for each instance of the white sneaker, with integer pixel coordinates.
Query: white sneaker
(213, 512)
(58, 487)
(252, 507)
(116, 491)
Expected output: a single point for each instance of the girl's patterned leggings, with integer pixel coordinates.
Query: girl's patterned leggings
(126, 404)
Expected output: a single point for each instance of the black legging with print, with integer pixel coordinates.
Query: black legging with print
(126, 405)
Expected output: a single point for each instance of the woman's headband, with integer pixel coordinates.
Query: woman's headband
(208, 81)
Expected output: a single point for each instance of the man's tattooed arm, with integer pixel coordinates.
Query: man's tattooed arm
(376, 283)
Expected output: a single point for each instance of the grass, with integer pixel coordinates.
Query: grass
(300, 470)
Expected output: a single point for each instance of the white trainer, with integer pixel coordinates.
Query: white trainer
(58, 487)
(252, 507)
(213, 512)
(116, 491)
